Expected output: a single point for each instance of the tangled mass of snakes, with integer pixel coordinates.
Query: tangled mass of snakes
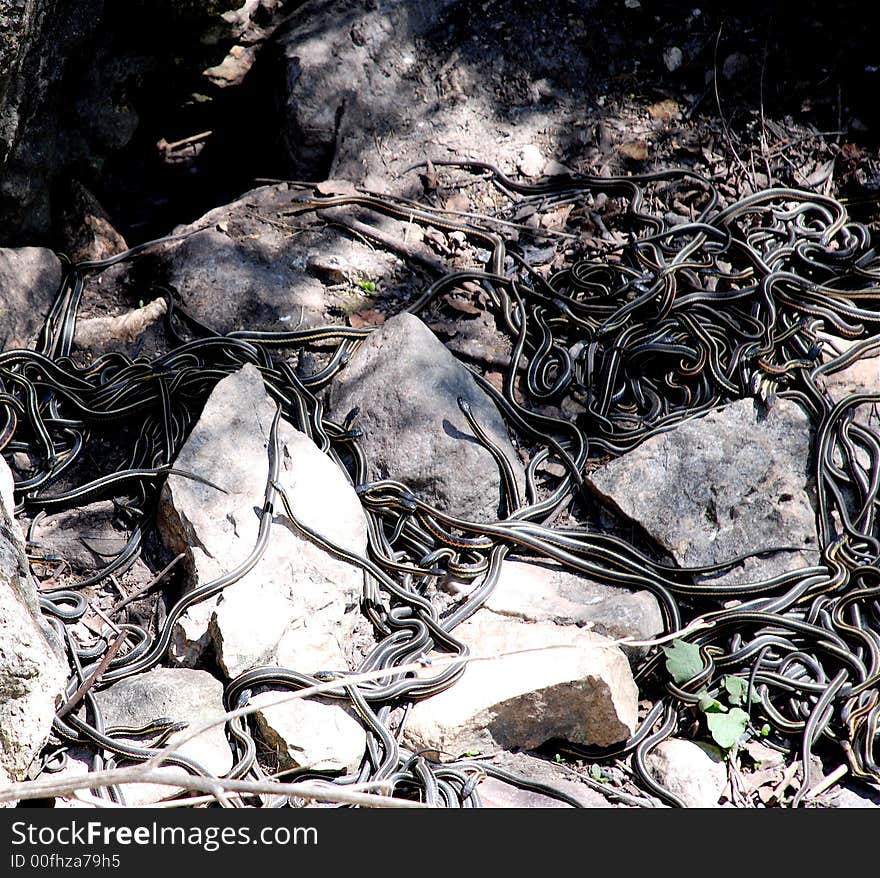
(659, 322)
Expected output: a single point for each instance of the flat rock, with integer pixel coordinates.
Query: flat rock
(583, 693)
(184, 694)
(314, 733)
(693, 771)
(29, 279)
(497, 793)
(296, 608)
(548, 593)
(85, 537)
(730, 483)
(251, 265)
(230, 283)
(32, 677)
(848, 797)
(406, 385)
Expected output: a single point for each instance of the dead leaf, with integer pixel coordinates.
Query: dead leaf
(637, 150)
(336, 187)
(556, 219)
(429, 178)
(458, 202)
(463, 306)
(363, 319)
(823, 171)
(664, 111)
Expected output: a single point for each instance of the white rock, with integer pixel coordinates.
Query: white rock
(694, 772)
(672, 58)
(185, 695)
(296, 607)
(32, 677)
(549, 593)
(582, 692)
(531, 161)
(313, 733)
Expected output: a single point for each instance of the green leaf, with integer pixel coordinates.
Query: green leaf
(727, 728)
(737, 688)
(367, 286)
(683, 660)
(765, 730)
(708, 704)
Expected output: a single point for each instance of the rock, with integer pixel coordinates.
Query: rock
(37, 41)
(405, 385)
(323, 77)
(233, 68)
(735, 64)
(185, 695)
(497, 793)
(531, 161)
(863, 376)
(583, 693)
(549, 593)
(85, 228)
(313, 733)
(32, 677)
(249, 268)
(369, 95)
(672, 58)
(694, 772)
(29, 278)
(231, 283)
(84, 537)
(296, 607)
(6, 779)
(848, 797)
(723, 485)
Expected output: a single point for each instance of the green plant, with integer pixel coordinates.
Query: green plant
(725, 717)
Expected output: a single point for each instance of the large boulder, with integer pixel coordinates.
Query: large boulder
(405, 385)
(32, 677)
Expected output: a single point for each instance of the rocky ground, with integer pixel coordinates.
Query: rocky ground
(200, 118)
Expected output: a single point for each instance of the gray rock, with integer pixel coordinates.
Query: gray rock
(328, 73)
(6, 779)
(405, 385)
(863, 376)
(314, 733)
(37, 40)
(531, 161)
(847, 797)
(496, 793)
(583, 693)
(730, 483)
(185, 695)
(230, 283)
(370, 95)
(297, 607)
(32, 677)
(85, 537)
(548, 593)
(696, 773)
(29, 279)
(249, 266)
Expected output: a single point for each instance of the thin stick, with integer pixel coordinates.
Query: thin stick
(92, 678)
(827, 782)
(151, 584)
(40, 789)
